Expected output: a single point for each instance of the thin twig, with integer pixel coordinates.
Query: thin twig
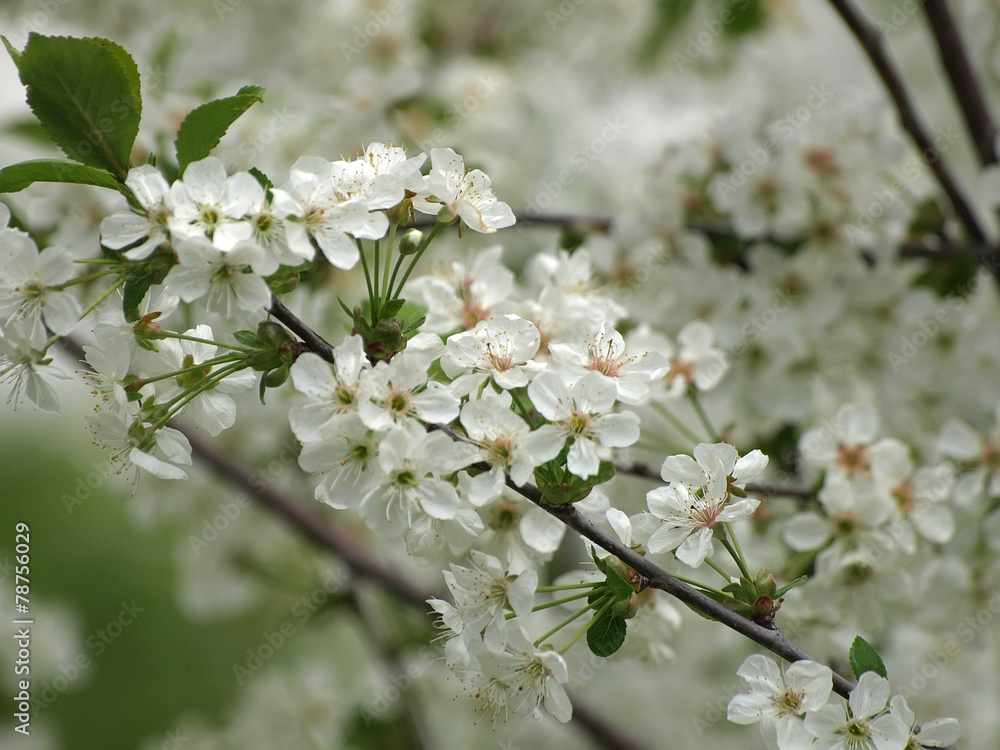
(756, 488)
(573, 221)
(313, 340)
(873, 43)
(658, 578)
(964, 80)
(315, 527)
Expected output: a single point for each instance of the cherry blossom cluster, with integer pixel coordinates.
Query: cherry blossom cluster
(794, 710)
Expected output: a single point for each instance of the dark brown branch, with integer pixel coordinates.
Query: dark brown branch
(315, 527)
(313, 340)
(308, 521)
(964, 80)
(873, 43)
(756, 488)
(658, 578)
(572, 221)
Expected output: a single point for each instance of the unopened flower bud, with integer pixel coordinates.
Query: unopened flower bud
(411, 242)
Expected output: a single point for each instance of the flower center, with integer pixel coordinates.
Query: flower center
(854, 459)
(505, 517)
(579, 422)
(789, 703)
(498, 452)
(904, 494)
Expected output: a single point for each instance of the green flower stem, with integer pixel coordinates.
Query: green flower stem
(220, 360)
(85, 278)
(174, 407)
(103, 296)
(717, 569)
(564, 600)
(701, 586)
(555, 603)
(368, 280)
(606, 601)
(520, 408)
(568, 587)
(589, 625)
(738, 558)
(696, 403)
(413, 263)
(736, 546)
(184, 337)
(375, 269)
(98, 261)
(388, 257)
(678, 424)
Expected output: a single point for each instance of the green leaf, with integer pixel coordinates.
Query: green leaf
(864, 658)
(15, 55)
(136, 286)
(18, 176)
(621, 588)
(204, 127)
(85, 93)
(153, 270)
(607, 634)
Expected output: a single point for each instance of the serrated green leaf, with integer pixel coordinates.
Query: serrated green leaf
(204, 127)
(621, 588)
(607, 634)
(18, 176)
(864, 658)
(85, 93)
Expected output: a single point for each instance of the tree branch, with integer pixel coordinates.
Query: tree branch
(873, 43)
(315, 527)
(964, 81)
(658, 578)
